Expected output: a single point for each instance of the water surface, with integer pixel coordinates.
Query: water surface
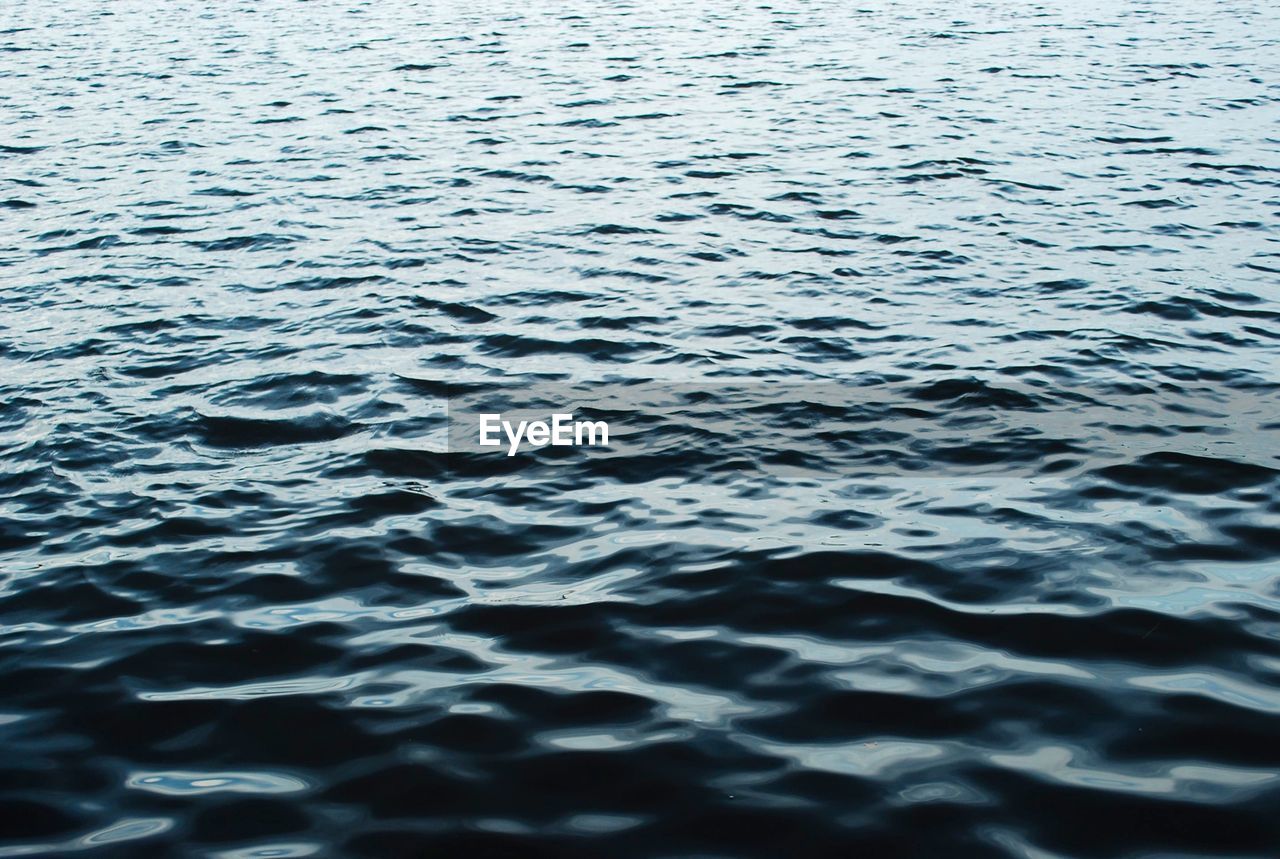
(252, 607)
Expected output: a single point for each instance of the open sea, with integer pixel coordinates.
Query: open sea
(939, 345)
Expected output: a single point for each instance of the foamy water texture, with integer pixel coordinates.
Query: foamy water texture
(942, 516)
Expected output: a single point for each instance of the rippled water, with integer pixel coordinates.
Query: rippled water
(255, 605)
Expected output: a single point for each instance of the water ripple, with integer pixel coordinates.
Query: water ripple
(952, 595)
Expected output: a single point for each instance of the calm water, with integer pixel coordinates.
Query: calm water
(255, 604)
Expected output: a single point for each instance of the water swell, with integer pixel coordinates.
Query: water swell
(940, 516)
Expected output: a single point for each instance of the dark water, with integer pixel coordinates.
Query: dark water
(252, 607)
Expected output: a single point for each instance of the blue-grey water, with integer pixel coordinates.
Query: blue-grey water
(962, 598)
